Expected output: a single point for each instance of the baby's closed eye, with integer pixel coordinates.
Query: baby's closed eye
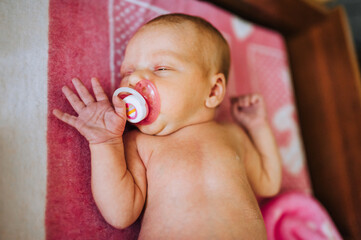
(163, 71)
(162, 68)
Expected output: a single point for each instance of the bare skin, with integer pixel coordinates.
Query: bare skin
(196, 179)
(198, 186)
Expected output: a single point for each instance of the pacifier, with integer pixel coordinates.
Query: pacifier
(136, 106)
(142, 102)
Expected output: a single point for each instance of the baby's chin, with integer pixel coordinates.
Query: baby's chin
(158, 128)
(153, 129)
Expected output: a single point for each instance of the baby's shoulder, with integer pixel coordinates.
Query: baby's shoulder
(230, 125)
(233, 130)
(236, 136)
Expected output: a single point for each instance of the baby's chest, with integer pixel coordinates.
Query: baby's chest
(189, 163)
(177, 161)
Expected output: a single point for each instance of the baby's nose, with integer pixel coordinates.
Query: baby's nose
(137, 76)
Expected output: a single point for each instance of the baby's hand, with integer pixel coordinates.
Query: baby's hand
(97, 120)
(249, 110)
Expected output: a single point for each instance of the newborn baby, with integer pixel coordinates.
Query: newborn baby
(194, 178)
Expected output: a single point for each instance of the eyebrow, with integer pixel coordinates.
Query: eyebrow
(169, 53)
(159, 54)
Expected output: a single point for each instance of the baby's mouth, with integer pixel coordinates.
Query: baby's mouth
(142, 102)
(150, 93)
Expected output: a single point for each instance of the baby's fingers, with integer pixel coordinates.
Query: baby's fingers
(256, 98)
(67, 118)
(83, 92)
(242, 101)
(119, 106)
(248, 100)
(98, 90)
(73, 99)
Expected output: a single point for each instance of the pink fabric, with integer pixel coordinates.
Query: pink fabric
(87, 38)
(297, 216)
(78, 47)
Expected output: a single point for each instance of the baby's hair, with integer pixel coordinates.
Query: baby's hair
(207, 29)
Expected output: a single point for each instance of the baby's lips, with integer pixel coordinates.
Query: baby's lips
(148, 90)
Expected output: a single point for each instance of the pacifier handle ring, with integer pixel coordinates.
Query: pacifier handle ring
(131, 91)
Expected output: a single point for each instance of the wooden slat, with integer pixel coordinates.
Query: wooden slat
(327, 89)
(285, 16)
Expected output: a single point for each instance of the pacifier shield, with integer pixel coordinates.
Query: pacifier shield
(136, 105)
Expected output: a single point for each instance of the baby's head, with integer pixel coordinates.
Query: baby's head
(212, 48)
(187, 60)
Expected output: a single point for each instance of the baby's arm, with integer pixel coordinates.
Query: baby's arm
(264, 168)
(119, 190)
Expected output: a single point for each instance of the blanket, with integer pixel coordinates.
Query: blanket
(297, 216)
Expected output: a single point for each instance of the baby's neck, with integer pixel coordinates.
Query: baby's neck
(195, 126)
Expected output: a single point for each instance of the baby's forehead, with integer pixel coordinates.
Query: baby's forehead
(187, 35)
(169, 33)
(186, 31)
(187, 28)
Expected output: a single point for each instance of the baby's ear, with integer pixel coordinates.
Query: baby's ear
(218, 90)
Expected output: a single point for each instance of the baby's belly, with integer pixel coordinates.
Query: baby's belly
(190, 212)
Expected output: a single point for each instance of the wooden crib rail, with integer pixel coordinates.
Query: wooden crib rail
(328, 97)
(327, 88)
(285, 16)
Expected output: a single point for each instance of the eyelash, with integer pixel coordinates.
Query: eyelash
(157, 69)
(161, 68)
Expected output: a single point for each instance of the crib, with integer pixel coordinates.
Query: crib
(327, 88)
(45, 170)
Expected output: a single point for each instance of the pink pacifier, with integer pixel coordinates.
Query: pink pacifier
(142, 102)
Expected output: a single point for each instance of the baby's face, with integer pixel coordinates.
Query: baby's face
(172, 61)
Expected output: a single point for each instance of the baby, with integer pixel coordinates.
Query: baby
(194, 178)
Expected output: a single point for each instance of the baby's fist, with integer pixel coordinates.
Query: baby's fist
(249, 110)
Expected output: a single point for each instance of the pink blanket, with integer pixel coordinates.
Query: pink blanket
(296, 216)
(87, 38)
(78, 46)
